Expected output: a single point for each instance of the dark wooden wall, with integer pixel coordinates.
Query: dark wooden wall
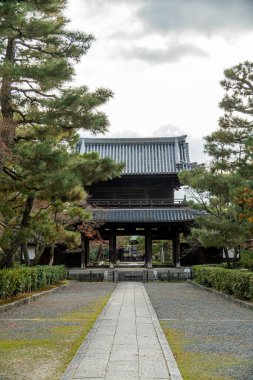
(136, 187)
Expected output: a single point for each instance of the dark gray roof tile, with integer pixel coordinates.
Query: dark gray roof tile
(162, 155)
(145, 215)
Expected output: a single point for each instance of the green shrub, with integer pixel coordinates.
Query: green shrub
(7, 283)
(34, 278)
(23, 279)
(246, 260)
(230, 281)
(42, 277)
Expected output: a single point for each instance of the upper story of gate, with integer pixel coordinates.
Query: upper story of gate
(150, 174)
(142, 156)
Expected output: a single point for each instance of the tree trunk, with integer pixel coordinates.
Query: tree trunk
(236, 253)
(227, 257)
(8, 260)
(100, 252)
(39, 249)
(26, 254)
(51, 255)
(5, 94)
(7, 124)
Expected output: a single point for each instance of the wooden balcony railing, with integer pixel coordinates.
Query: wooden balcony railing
(136, 202)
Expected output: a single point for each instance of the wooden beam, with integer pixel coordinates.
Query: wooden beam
(148, 247)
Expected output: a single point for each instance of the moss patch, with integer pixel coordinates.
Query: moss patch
(197, 365)
(46, 358)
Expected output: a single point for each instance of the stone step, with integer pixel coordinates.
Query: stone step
(138, 276)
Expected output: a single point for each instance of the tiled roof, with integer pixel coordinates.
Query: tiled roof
(148, 215)
(161, 155)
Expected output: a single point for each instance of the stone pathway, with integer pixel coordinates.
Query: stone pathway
(126, 342)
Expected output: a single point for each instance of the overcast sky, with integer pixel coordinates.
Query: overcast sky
(163, 59)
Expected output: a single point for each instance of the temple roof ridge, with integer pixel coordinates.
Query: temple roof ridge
(133, 140)
(142, 155)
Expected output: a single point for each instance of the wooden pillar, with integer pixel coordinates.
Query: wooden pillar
(176, 250)
(112, 248)
(85, 251)
(148, 247)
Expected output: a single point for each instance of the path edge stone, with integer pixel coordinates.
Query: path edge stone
(74, 363)
(169, 357)
(227, 297)
(34, 297)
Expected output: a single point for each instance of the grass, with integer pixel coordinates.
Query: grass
(197, 365)
(47, 357)
(21, 296)
(85, 317)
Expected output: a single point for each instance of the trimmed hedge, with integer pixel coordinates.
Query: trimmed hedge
(230, 281)
(27, 279)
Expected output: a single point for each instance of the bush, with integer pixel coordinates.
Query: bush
(23, 279)
(246, 259)
(230, 281)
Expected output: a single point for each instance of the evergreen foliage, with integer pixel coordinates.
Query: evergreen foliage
(42, 178)
(231, 146)
(235, 282)
(224, 188)
(22, 279)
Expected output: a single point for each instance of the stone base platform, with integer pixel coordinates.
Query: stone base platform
(130, 274)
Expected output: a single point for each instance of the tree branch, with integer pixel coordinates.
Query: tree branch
(40, 49)
(12, 174)
(33, 90)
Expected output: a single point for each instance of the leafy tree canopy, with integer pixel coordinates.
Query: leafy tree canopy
(224, 188)
(230, 145)
(42, 178)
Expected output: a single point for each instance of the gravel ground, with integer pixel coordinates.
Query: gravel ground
(66, 300)
(39, 323)
(212, 324)
(37, 318)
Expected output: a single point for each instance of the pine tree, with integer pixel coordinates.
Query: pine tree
(224, 188)
(244, 193)
(220, 225)
(229, 145)
(40, 118)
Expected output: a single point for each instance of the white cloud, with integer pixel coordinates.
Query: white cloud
(157, 56)
(204, 16)
(163, 60)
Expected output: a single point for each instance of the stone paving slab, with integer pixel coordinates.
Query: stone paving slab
(126, 342)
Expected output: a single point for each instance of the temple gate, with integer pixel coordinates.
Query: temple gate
(142, 201)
